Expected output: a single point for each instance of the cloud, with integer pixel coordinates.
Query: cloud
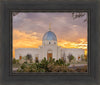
(81, 43)
(32, 40)
(25, 40)
(39, 22)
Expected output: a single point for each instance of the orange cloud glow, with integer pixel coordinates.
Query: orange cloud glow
(24, 40)
(81, 43)
(34, 39)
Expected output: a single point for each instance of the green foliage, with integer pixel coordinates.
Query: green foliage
(14, 61)
(44, 64)
(86, 59)
(62, 68)
(51, 66)
(48, 66)
(25, 62)
(29, 57)
(70, 57)
(51, 60)
(17, 61)
(23, 66)
(68, 64)
(82, 69)
(82, 57)
(19, 70)
(59, 62)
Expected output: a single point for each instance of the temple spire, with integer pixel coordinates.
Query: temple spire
(50, 27)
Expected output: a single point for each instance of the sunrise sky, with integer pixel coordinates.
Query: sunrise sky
(29, 28)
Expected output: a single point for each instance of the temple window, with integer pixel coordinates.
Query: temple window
(79, 58)
(20, 57)
(36, 59)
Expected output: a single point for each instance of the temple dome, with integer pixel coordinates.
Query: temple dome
(49, 36)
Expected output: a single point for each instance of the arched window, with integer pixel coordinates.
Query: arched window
(36, 59)
(79, 58)
(20, 57)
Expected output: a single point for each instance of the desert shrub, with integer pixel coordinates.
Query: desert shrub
(59, 62)
(44, 60)
(19, 70)
(26, 70)
(63, 69)
(56, 69)
(51, 66)
(67, 64)
(83, 57)
(32, 67)
(32, 70)
(14, 61)
(51, 60)
(17, 61)
(40, 70)
(82, 69)
(29, 57)
(23, 66)
(25, 62)
(71, 70)
(70, 57)
(60, 69)
(44, 64)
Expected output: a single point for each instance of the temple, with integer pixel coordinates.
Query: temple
(49, 49)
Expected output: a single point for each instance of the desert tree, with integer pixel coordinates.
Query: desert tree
(70, 57)
(29, 57)
(76, 15)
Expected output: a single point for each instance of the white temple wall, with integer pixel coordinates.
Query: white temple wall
(59, 52)
(49, 42)
(41, 52)
(74, 51)
(24, 51)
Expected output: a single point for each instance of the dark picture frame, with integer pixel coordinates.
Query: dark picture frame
(6, 74)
